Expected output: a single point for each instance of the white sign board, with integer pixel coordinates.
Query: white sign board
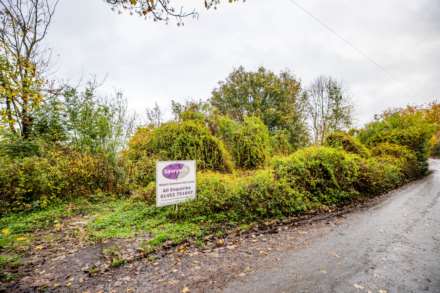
(175, 182)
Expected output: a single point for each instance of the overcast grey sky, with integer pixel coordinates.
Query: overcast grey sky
(153, 62)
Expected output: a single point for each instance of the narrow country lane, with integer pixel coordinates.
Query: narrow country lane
(392, 247)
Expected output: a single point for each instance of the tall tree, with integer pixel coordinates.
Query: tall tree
(276, 99)
(328, 108)
(23, 27)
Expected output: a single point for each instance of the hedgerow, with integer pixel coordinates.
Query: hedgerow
(325, 174)
(251, 144)
(409, 130)
(57, 174)
(186, 140)
(348, 143)
(247, 141)
(434, 146)
(223, 197)
(309, 178)
(378, 175)
(405, 158)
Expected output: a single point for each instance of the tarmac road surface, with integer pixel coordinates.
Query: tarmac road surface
(392, 247)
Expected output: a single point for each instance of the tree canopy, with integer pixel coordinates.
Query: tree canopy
(274, 98)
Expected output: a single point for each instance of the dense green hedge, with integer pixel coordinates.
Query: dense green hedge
(186, 140)
(348, 143)
(406, 158)
(248, 142)
(243, 198)
(378, 175)
(435, 145)
(325, 174)
(251, 141)
(409, 130)
(309, 178)
(57, 174)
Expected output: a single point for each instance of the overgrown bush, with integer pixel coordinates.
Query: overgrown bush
(434, 146)
(225, 129)
(410, 130)
(248, 142)
(186, 140)
(406, 158)
(280, 143)
(348, 143)
(378, 175)
(251, 144)
(243, 198)
(57, 174)
(325, 174)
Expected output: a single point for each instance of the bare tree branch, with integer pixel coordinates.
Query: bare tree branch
(160, 10)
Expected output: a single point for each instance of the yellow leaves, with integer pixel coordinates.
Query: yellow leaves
(58, 226)
(21, 238)
(39, 247)
(6, 232)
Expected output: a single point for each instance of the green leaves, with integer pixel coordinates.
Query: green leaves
(407, 129)
(275, 99)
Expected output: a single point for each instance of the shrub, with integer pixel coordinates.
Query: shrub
(248, 141)
(435, 150)
(225, 129)
(348, 143)
(138, 144)
(140, 172)
(232, 198)
(146, 194)
(410, 130)
(36, 181)
(18, 148)
(326, 174)
(378, 175)
(406, 158)
(434, 146)
(251, 144)
(280, 143)
(186, 140)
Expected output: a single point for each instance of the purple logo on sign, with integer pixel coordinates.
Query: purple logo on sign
(175, 171)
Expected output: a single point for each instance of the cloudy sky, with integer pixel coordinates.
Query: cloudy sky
(153, 62)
